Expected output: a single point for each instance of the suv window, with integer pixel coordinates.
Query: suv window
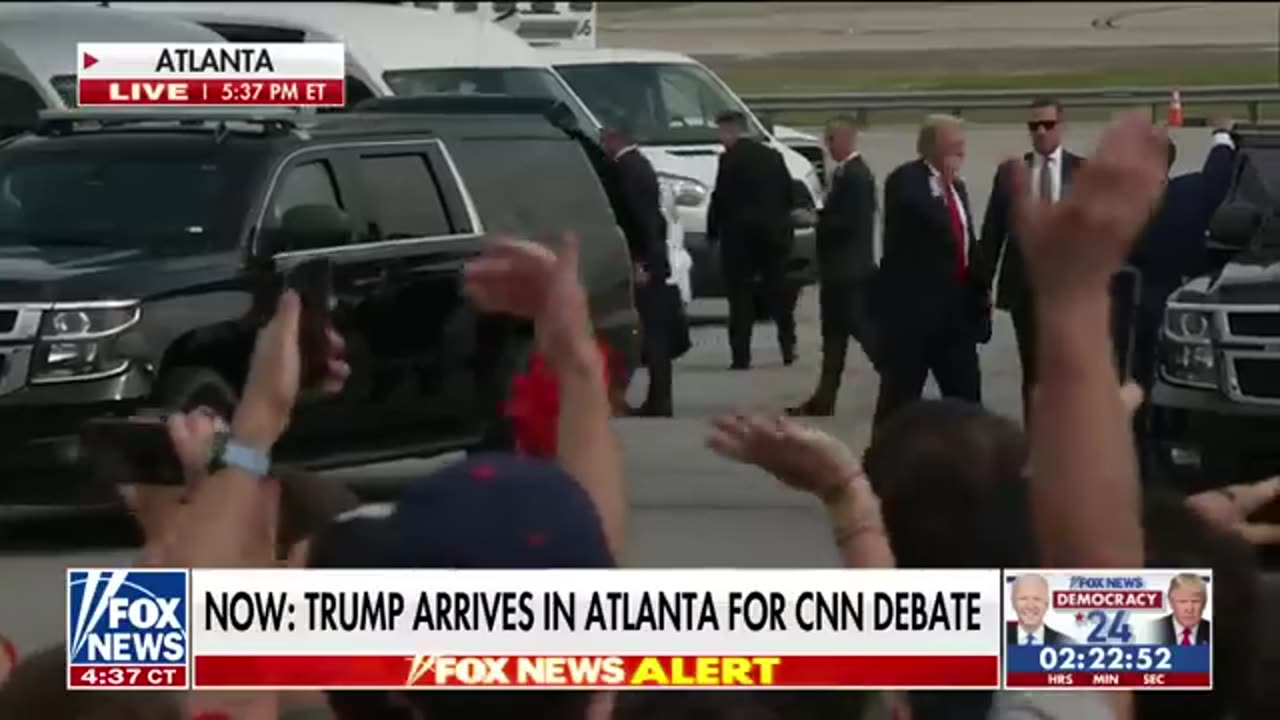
(404, 196)
(19, 105)
(307, 184)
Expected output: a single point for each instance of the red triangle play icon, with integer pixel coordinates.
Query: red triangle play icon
(89, 61)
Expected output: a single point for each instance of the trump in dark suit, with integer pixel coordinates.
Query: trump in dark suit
(1188, 596)
(930, 299)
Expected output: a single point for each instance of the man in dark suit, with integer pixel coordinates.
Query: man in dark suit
(1029, 596)
(641, 220)
(1186, 625)
(930, 298)
(846, 262)
(1049, 171)
(750, 218)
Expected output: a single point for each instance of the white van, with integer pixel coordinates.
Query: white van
(38, 52)
(672, 100)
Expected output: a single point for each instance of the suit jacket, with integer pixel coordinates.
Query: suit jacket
(917, 289)
(1051, 636)
(1173, 246)
(750, 210)
(846, 224)
(1164, 634)
(998, 237)
(641, 216)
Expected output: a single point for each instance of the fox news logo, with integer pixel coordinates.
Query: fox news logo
(127, 618)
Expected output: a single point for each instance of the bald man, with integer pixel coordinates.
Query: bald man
(1030, 598)
(930, 301)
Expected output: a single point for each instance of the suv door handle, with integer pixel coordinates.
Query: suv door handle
(378, 278)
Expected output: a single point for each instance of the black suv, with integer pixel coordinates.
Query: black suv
(140, 253)
(1216, 402)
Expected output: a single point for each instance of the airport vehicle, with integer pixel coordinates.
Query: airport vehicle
(541, 24)
(38, 52)
(673, 101)
(140, 252)
(1216, 401)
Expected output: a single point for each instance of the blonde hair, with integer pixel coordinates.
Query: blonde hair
(1189, 580)
(927, 139)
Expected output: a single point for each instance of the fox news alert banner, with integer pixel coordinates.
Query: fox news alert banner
(210, 75)
(391, 629)
(1100, 629)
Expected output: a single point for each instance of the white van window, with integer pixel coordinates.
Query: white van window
(667, 103)
(520, 82)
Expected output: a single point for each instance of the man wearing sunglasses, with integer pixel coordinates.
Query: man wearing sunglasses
(1049, 171)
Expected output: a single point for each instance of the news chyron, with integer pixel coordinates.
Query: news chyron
(127, 629)
(210, 75)
(1108, 629)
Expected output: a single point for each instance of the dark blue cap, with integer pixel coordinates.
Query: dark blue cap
(491, 511)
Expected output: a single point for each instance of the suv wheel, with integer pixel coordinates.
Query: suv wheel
(187, 388)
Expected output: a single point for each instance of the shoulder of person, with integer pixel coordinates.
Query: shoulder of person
(1020, 705)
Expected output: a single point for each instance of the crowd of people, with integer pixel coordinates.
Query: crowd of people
(944, 483)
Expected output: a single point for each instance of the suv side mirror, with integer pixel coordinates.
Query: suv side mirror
(767, 121)
(1235, 225)
(307, 227)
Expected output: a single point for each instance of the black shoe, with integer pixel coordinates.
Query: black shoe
(740, 366)
(812, 408)
(788, 356)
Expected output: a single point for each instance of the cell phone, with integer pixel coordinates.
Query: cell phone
(1126, 290)
(313, 281)
(131, 450)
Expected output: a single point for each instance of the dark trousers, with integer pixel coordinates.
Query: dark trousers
(1024, 331)
(656, 335)
(907, 358)
(744, 274)
(844, 312)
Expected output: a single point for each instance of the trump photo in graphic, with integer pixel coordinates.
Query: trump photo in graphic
(1185, 624)
(1029, 595)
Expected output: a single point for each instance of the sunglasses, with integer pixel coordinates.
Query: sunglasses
(1035, 125)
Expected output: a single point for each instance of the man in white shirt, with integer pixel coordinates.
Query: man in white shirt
(1050, 169)
(1185, 625)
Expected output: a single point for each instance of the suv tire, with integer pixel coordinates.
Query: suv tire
(186, 388)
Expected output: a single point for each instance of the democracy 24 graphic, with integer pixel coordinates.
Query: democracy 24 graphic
(127, 628)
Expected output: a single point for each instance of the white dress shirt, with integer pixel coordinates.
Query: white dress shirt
(1178, 628)
(1023, 635)
(935, 185)
(1054, 162)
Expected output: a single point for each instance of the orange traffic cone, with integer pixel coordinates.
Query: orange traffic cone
(1175, 110)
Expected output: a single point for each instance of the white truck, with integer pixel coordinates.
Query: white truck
(672, 101)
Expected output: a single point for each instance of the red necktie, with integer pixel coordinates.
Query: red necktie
(1186, 636)
(957, 229)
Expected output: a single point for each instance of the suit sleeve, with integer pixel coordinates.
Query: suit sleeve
(995, 225)
(642, 200)
(714, 207)
(894, 213)
(862, 220)
(782, 176)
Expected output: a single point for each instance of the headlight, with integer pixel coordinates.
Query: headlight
(687, 191)
(1186, 350)
(76, 342)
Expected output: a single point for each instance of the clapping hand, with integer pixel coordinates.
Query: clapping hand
(529, 280)
(1077, 245)
(1231, 508)
(802, 457)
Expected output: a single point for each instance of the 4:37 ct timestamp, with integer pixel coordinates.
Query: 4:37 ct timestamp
(128, 677)
(1095, 658)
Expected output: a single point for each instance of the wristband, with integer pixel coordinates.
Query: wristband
(228, 453)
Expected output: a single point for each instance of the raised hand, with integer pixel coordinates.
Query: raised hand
(529, 280)
(802, 457)
(1231, 508)
(271, 390)
(1080, 243)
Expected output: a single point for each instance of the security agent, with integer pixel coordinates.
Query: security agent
(750, 218)
(642, 222)
(846, 262)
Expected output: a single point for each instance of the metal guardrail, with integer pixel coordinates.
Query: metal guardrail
(1251, 97)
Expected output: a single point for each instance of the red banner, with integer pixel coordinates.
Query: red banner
(117, 92)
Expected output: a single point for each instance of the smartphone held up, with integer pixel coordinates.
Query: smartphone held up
(313, 282)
